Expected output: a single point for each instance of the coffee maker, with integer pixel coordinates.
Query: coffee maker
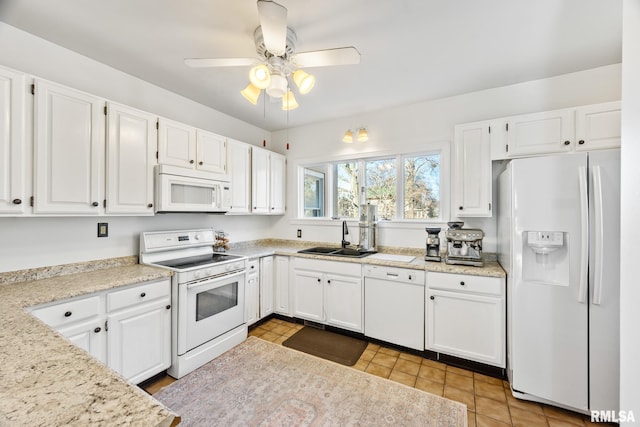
(367, 228)
(433, 245)
(464, 245)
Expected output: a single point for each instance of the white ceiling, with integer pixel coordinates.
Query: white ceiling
(412, 50)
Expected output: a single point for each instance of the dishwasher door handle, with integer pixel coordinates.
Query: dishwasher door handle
(393, 275)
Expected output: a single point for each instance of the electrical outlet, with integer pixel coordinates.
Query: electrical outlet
(299, 234)
(103, 229)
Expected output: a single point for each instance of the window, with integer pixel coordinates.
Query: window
(313, 193)
(405, 187)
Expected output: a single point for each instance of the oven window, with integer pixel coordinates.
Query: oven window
(192, 194)
(209, 303)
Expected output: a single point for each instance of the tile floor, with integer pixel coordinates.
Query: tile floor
(489, 400)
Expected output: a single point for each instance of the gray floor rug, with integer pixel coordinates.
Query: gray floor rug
(258, 383)
(328, 345)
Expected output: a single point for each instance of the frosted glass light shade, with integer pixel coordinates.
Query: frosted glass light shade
(278, 86)
(362, 135)
(260, 77)
(289, 101)
(251, 93)
(304, 81)
(348, 137)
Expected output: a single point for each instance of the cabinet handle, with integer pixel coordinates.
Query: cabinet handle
(200, 163)
(567, 142)
(253, 266)
(461, 283)
(319, 280)
(460, 207)
(273, 208)
(17, 201)
(67, 314)
(192, 161)
(432, 297)
(581, 142)
(329, 282)
(142, 295)
(410, 277)
(98, 329)
(168, 306)
(95, 204)
(150, 205)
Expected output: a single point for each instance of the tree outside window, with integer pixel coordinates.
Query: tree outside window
(380, 182)
(346, 189)
(422, 187)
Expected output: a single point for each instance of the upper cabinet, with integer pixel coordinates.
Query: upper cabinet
(13, 142)
(540, 133)
(472, 180)
(69, 147)
(131, 157)
(268, 171)
(598, 126)
(186, 146)
(239, 167)
(277, 167)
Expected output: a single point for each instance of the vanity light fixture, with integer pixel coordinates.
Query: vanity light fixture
(348, 137)
(360, 136)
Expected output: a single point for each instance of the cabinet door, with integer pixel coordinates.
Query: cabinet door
(277, 181)
(472, 177)
(176, 144)
(467, 326)
(252, 299)
(260, 185)
(69, 144)
(343, 302)
(239, 167)
(131, 148)
(281, 285)
(307, 295)
(89, 336)
(266, 286)
(13, 144)
(211, 152)
(598, 126)
(540, 133)
(139, 340)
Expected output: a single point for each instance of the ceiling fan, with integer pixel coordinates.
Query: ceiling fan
(278, 61)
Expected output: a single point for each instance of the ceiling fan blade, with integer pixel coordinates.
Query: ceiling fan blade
(220, 62)
(327, 57)
(273, 20)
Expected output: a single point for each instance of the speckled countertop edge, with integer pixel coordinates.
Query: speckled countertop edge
(49, 381)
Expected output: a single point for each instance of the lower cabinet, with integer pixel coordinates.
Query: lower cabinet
(328, 292)
(129, 329)
(465, 317)
(266, 286)
(252, 293)
(281, 292)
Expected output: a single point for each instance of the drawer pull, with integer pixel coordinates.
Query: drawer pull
(168, 306)
(432, 297)
(150, 205)
(142, 295)
(581, 142)
(567, 142)
(95, 204)
(319, 280)
(461, 283)
(98, 329)
(67, 314)
(17, 201)
(329, 282)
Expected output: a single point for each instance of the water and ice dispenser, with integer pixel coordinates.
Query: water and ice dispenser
(545, 257)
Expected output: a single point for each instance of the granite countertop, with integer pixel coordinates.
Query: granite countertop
(268, 247)
(47, 380)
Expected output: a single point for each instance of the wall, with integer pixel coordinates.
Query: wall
(630, 212)
(415, 127)
(35, 241)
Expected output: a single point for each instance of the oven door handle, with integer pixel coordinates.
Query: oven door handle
(222, 279)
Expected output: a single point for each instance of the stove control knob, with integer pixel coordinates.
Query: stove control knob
(196, 237)
(209, 272)
(197, 274)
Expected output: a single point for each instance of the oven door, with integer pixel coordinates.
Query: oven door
(208, 309)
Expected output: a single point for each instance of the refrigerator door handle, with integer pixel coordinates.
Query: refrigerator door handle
(584, 234)
(598, 235)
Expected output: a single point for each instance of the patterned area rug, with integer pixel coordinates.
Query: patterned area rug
(259, 383)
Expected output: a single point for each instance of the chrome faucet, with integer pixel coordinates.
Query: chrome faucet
(345, 231)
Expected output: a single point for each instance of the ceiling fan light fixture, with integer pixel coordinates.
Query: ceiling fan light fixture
(289, 101)
(348, 137)
(251, 93)
(259, 76)
(304, 81)
(362, 135)
(278, 86)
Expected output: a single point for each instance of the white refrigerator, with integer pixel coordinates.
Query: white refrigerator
(558, 240)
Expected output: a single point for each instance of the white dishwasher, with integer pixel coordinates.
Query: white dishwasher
(394, 305)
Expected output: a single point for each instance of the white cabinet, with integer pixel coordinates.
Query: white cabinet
(268, 171)
(129, 329)
(239, 168)
(68, 150)
(131, 149)
(188, 147)
(328, 292)
(598, 126)
(540, 133)
(472, 175)
(281, 285)
(266, 286)
(13, 142)
(252, 293)
(465, 317)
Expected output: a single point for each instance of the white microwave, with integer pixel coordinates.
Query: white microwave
(184, 190)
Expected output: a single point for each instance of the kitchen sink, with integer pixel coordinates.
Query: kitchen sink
(343, 252)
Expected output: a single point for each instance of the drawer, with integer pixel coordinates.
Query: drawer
(68, 312)
(465, 283)
(253, 266)
(138, 294)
